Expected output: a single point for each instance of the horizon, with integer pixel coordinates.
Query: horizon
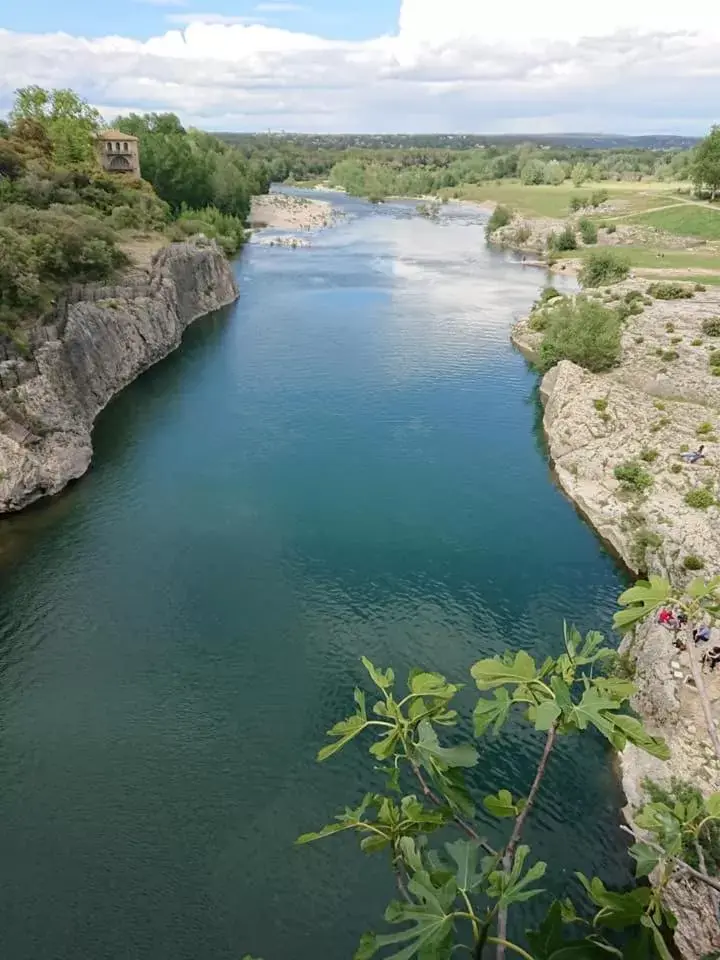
(393, 66)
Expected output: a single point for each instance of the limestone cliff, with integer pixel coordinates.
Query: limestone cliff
(661, 400)
(97, 345)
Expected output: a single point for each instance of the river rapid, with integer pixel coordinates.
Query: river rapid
(347, 461)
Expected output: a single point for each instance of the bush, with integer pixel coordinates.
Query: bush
(669, 355)
(598, 197)
(588, 230)
(632, 476)
(676, 468)
(700, 287)
(500, 217)
(700, 498)
(669, 290)
(565, 240)
(549, 293)
(704, 428)
(670, 327)
(600, 404)
(577, 203)
(711, 326)
(602, 267)
(611, 228)
(691, 562)
(649, 456)
(581, 330)
(697, 342)
(228, 230)
(644, 542)
(685, 793)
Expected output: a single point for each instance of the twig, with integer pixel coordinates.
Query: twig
(697, 874)
(434, 798)
(517, 831)
(400, 880)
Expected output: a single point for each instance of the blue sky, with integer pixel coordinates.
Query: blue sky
(406, 66)
(141, 19)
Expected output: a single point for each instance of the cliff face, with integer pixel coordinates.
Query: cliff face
(48, 403)
(651, 408)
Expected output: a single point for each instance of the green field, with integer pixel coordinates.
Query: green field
(546, 201)
(708, 279)
(684, 220)
(659, 259)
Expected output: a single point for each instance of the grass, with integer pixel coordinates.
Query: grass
(547, 201)
(671, 259)
(708, 279)
(685, 220)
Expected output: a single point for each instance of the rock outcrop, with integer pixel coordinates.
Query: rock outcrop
(49, 401)
(662, 400)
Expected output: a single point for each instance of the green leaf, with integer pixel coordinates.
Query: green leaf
(546, 714)
(428, 746)
(641, 601)
(430, 919)
(373, 843)
(589, 711)
(562, 694)
(327, 831)
(618, 910)
(410, 854)
(712, 805)
(511, 887)
(465, 853)
(382, 679)
(549, 937)
(646, 859)
(501, 804)
(384, 748)
(489, 712)
(497, 671)
(431, 685)
(660, 945)
(346, 730)
(637, 734)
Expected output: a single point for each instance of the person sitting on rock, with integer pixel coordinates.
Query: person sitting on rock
(701, 634)
(667, 618)
(695, 455)
(712, 657)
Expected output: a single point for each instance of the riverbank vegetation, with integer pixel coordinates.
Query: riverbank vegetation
(64, 220)
(469, 891)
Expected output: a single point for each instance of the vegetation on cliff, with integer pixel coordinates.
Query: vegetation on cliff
(62, 218)
(465, 891)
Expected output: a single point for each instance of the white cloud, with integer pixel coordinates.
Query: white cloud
(611, 67)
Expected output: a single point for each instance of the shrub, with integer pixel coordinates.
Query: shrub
(704, 428)
(523, 234)
(639, 339)
(632, 295)
(588, 230)
(565, 240)
(659, 405)
(611, 228)
(632, 476)
(669, 355)
(700, 498)
(669, 290)
(670, 327)
(676, 339)
(684, 448)
(632, 309)
(549, 293)
(644, 542)
(691, 562)
(583, 331)
(700, 287)
(648, 455)
(600, 404)
(711, 326)
(709, 838)
(697, 342)
(676, 468)
(601, 267)
(500, 217)
(577, 203)
(598, 197)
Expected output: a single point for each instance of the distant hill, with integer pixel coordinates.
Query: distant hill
(464, 141)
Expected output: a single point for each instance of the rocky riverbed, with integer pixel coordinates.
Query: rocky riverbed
(282, 211)
(661, 401)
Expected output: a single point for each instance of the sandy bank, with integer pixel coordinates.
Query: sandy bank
(281, 211)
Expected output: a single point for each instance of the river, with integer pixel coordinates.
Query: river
(347, 461)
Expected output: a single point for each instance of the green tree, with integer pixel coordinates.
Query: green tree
(579, 174)
(463, 891)
(69, 122)
(582, 330)
(533, 172)
(554, 173)
(705, 170)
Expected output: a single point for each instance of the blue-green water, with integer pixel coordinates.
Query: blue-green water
(347, 461)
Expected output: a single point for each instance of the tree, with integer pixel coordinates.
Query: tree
(705, 170)
(532, 172)
(69, 122)
(554, 173)
(460, 892)
(579, 174)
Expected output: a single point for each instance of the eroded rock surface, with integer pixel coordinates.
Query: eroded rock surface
(48, 402)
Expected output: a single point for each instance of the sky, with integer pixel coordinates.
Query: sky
(406, 66)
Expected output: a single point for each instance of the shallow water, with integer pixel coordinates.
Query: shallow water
(347, 461)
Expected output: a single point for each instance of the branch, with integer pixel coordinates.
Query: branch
(434, 798)
(517, 831)
(697, 874)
